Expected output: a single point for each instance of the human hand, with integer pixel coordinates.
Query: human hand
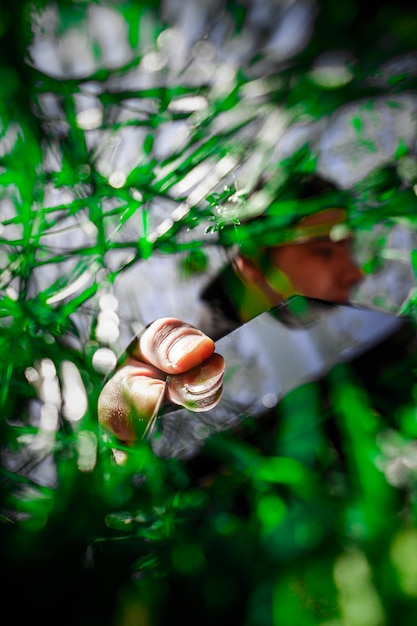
(171, 362)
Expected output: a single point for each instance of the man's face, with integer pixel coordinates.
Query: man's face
(319, 268)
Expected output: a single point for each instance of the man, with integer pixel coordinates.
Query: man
(173, 361)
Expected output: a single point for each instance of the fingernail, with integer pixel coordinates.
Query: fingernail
(182, 347)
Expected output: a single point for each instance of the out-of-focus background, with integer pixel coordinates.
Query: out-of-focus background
(130, 132)
(143, 111)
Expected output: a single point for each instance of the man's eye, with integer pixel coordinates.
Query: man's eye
(323, 251)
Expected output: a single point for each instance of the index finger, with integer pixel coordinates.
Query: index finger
(173, 346)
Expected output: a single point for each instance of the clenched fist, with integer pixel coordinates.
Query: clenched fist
(171, 362)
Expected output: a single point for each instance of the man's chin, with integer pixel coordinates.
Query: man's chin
(339, 298)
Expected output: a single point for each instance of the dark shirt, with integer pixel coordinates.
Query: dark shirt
(219, 314)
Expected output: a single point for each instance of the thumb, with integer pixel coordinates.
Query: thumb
(173, 346)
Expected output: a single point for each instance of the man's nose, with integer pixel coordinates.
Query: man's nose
(353, 273)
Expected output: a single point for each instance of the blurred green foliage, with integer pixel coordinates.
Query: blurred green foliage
(284, 537)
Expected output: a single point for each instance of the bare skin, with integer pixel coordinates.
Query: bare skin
(174, 362)
(171, 362)
(319, 268)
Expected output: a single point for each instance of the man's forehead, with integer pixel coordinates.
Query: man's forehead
(314, 242)
(329, 224)
(269, 232)
(328, 240)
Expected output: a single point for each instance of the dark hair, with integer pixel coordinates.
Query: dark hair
(313, 186)
(306, 195)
